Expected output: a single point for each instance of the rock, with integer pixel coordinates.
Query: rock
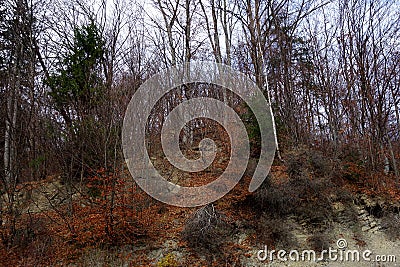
(363, 217)
(302, 237)
(155, 254)
(362, 212)
(170, 244)
(371, 203)
(178, 255)
(252, 260)
(338, 206)
(303, 223)
(365, 228)
(238, 224)
(374, 229)
(333, 196)
(241, 238)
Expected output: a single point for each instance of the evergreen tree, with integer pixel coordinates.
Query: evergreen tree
(77, 87)
(76, 90)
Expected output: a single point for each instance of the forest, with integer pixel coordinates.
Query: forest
(329, 71)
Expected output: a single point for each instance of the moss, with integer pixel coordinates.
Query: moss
(168, 261)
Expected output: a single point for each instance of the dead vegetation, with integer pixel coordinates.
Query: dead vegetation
(206, 229)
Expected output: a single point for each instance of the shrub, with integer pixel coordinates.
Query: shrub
(277, 199)
(276, 231)
(205, 229)
(353, 164)
(305, 162)
(306, 192)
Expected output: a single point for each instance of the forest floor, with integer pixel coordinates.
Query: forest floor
(361, 223)
(286, 214)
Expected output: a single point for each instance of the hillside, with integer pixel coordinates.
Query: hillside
(304, 204)
(200, 133)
